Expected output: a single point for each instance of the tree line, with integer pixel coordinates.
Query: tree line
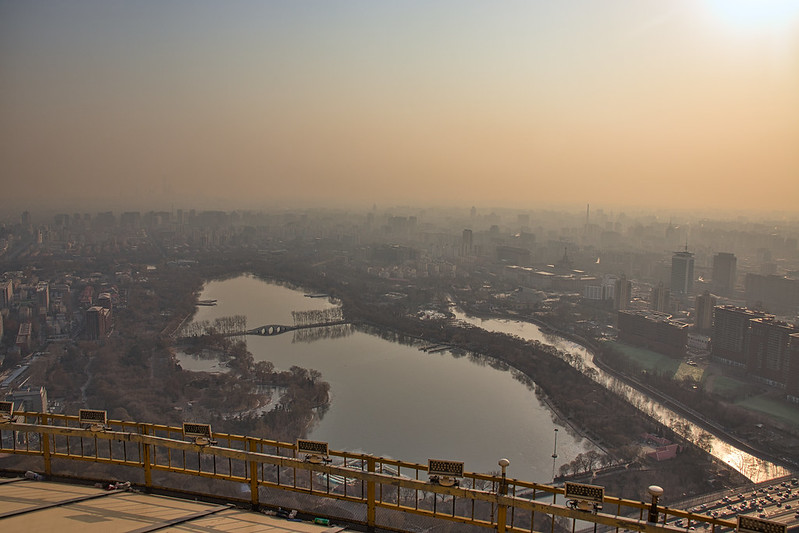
(226, 325)
(317, 316)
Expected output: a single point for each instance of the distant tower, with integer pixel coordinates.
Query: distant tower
(724, 272)
(565, 263)
(467, 243)
(622, 293)
(587, 219)
(682, 273)
(6, 294)
(705, 303)
(660, 299)
(43, 296)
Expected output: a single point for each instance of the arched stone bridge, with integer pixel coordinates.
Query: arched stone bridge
(275, 329)
(267, 331)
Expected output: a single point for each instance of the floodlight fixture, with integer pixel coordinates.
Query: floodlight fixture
(93, 419)
(445, 473)
(316, 452)
(584, 497)
(200, 434)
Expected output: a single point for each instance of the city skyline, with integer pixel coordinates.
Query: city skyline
(674, 105)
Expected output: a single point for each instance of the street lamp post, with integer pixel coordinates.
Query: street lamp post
(554, 455)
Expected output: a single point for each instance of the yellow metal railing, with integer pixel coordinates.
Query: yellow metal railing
(376, 486)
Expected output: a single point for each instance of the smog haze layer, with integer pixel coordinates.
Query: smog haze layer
(685, 104)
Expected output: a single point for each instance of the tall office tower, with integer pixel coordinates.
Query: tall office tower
(6, 293)
(769, 345)
(622, 293)
(43, 296)
(705, 303)
(731, 332)
(466, 243)
(660, 299)
(97, 325)
(792, 374)
(682, 273)
(724, 272)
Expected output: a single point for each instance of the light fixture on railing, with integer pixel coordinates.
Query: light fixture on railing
(316, 452)
(503, 484)
(199, 433)
(445, 473)
(6, 411)
(93, 419)
(655, 492)
(583, 497)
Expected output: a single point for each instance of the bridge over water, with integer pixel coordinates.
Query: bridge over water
(276, 329)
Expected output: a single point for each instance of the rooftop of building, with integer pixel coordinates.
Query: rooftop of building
(31, 505)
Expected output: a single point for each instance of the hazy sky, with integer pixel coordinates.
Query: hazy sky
(640, 102)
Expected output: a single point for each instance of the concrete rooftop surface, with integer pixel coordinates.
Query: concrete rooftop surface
(35, 506)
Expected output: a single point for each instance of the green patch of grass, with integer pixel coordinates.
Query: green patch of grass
(726, 386)
(784, 411)
(647, 359)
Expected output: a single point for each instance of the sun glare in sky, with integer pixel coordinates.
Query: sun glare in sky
(766, 15)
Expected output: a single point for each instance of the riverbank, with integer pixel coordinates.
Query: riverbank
(588, 407)
(679, 408)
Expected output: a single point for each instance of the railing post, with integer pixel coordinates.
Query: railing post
(370, 495)
(502, 510)
(254, 500)
(44, 439)
(148, 475)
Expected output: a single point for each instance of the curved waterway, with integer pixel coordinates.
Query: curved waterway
(394, 400)
(752, 467)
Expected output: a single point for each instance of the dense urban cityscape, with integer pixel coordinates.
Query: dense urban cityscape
(97, 306)
(425, 267)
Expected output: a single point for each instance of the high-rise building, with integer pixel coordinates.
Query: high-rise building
(43, 296)
(130, 220)
(731, 332)
(724, 273)
(792, 372)
(768, 353)
(682, 273)
(653, 330)
(97, 322)
(467, 242)
(705, 303)
(622, 293)
(660, 299)
(6, 293)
